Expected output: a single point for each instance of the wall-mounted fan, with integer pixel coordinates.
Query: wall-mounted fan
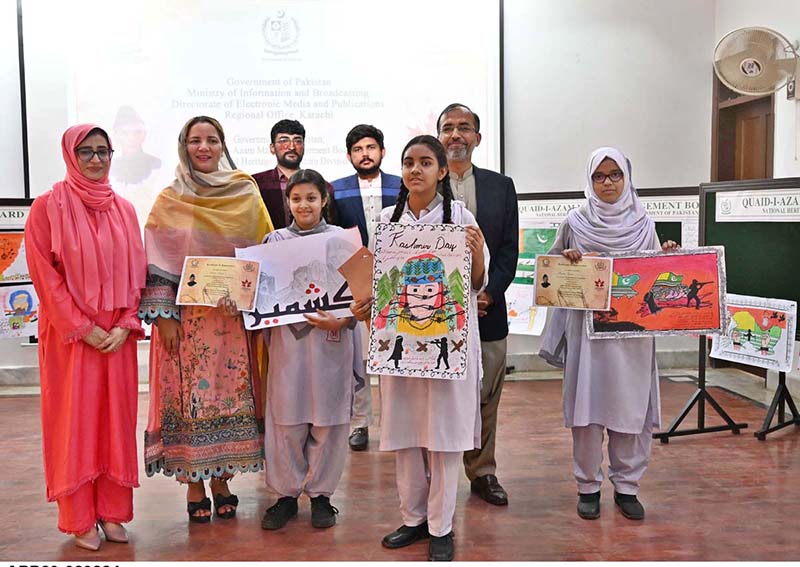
(755, 61)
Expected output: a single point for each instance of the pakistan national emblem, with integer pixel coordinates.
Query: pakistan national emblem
(280, 33)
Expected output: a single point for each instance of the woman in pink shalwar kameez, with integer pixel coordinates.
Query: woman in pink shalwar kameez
(87, 264)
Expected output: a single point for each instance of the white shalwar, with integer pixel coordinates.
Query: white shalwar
(608, 383)
(309, 396)
(431, 422)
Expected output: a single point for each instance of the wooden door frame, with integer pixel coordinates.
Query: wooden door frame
(716, 106)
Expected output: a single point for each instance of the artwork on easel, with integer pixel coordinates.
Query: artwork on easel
(20, 311)
(421, 286)
(655, 293)
(525, 318)
(13, 265)
(758, 332)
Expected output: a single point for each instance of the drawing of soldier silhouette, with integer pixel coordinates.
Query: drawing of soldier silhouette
(442, 344)
(397, 353)
(650, 299)
(694, 288)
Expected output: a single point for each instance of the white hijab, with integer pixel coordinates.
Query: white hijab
(611, 227)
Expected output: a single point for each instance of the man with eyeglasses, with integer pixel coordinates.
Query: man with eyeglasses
(359, 201)
(492, 198)
(288, 147)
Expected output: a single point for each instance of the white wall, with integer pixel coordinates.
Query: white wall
(13, 184)
(783, 16)
(581, 74)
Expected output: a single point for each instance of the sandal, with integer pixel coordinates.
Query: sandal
(220, 501)
(193, 507)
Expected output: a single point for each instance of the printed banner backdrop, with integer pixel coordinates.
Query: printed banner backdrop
(299, 276)
(20, 311)
(775, 205)
(653, 293)
(13, 265)
(524, 318)
(420, 315)
(757, 331)
(13, 216)
(674, 208)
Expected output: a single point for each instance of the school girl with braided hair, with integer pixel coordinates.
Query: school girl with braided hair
(429, 423)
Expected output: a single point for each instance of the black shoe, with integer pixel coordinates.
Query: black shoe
(489, 489)
(441, 548)
(359, 438)
(405, 535)
(589, 505)
(629, 505)
(279, 513)
(323, 515)
(193, 507)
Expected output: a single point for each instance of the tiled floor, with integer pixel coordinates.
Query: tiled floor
(708, 497)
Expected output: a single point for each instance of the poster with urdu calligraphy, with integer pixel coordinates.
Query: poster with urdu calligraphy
(421, 286)
(20, 311)
(757, 331)
(655, 293)
(299, 276)
(13, 265)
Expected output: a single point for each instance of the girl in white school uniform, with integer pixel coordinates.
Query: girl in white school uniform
(309, 385)
(610, 384)
(429, 423)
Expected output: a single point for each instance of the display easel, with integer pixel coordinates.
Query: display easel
(699, 399)
(764, 244)
(780, 400)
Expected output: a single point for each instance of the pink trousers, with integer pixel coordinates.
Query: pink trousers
(103, 499)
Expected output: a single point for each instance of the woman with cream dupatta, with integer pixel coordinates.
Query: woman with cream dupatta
(202, 420)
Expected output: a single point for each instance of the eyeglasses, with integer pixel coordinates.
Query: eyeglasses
(285, 141)
(87, 154)
(614, 176)
(463, 128)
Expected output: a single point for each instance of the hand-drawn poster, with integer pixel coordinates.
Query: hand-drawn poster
(655, 293)
(299, 276)
(13, 265)
(524, 318)
(585, 284)
(207, 279)
(421, 287)
(20, 311)
(757, 331)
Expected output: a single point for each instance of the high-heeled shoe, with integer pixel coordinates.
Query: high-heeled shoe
(88, 540)
(114, 532)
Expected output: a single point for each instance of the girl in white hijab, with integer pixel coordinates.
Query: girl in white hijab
(609, 384)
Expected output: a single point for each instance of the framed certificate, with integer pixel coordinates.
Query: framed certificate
(581, 285)
(206, 279)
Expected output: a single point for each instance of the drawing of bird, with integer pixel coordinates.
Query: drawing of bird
(384, 345)
(422, 347)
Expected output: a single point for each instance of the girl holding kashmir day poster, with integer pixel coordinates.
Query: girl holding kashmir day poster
(429, 423)
(202, 420)
(310, 383)
(609, 384)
